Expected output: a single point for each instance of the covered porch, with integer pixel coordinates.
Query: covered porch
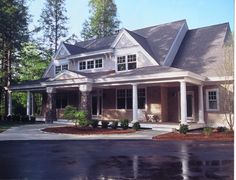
(159, 97)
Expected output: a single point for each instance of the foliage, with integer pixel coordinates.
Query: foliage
(81, 119)
(221, 129)
(124, 124)
(136, 126)
(73, 39)
(183, 128)
(103, 20)
(53, 21)
(207, 131)
(94, 123)
(69, 112)
(105, 124)
(114, 124)
(13, 32)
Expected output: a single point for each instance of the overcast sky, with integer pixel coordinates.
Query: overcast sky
(135, 14)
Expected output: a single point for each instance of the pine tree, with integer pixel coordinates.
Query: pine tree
(13, 32)
(53, 21)
(103, 21)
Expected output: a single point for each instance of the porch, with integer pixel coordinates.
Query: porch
(168, 94)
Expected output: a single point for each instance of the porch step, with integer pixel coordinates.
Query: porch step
(160, 127)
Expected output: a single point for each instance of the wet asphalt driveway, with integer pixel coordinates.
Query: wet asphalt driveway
(115, 159)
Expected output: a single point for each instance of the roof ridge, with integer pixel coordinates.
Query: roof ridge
(159, 25)
(204, 27)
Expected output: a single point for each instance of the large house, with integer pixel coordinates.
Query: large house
(164, 73)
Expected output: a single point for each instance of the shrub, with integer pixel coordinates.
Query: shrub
(9, 118)
(69, 112)
(124, 124)
(25, 118)
(221, 129)
(207, 131)
(136, 126)
(16, 118)
(183, 128)
(81, 119)
(105, 124)
(114, 124)
(94, 123)
(32, 119)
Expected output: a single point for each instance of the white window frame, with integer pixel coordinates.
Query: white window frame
(217, 99)
(94, 64)
(126, 62)
(60, 67)
(131, 61)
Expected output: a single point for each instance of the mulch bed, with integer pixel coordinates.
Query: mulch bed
(86, 130)
(216, 136)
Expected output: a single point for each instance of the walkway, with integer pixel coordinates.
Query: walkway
(33, 132)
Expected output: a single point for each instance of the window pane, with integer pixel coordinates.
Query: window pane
(121, 103)
(82, 65)
(121, 67)
(90, 64)
(121, 59)
(63, 101)
(98, 63)
(58, 102)
(129, 99)
(212, 105)
(132, 58)
(64, 67)
(131, 66)
(58, 69)
(141, 103)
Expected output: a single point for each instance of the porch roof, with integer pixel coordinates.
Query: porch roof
(143, 75)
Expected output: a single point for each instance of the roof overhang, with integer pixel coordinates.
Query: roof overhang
(92, 53)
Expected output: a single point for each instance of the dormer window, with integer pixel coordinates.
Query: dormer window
(125, 63)
(131, 61)
(121, 64)
(60, 68)
(91, 64)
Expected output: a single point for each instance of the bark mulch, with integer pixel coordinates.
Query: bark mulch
(216, 136)
(86, 130)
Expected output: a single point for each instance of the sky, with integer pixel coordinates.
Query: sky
(136, 14)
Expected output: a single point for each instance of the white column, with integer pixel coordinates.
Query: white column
(9, 104)
(28, 104)
(32, 104)
(135, 103)
(200, 105)
(183, 102)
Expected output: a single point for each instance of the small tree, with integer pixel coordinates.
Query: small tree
(226, 70)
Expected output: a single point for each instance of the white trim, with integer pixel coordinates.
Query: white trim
(62, 45)
(104, 51)
(175, 45)
(124, 32)
(217, 99)
(74, 75)
(223, 78)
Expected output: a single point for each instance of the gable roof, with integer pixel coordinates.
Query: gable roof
(202, 50)
(155, 40)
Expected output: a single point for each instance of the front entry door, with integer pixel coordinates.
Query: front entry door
(190, 106)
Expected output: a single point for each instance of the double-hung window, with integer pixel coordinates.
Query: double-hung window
(125, 98)
(98, 63)
(121, 63)
(60, 68)
(212, 98)
(131, 61)
(57, 69)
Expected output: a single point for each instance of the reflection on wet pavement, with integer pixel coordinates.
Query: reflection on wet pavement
(115, 160)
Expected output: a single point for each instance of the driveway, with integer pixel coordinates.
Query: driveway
(33, 132)
(115, 159)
